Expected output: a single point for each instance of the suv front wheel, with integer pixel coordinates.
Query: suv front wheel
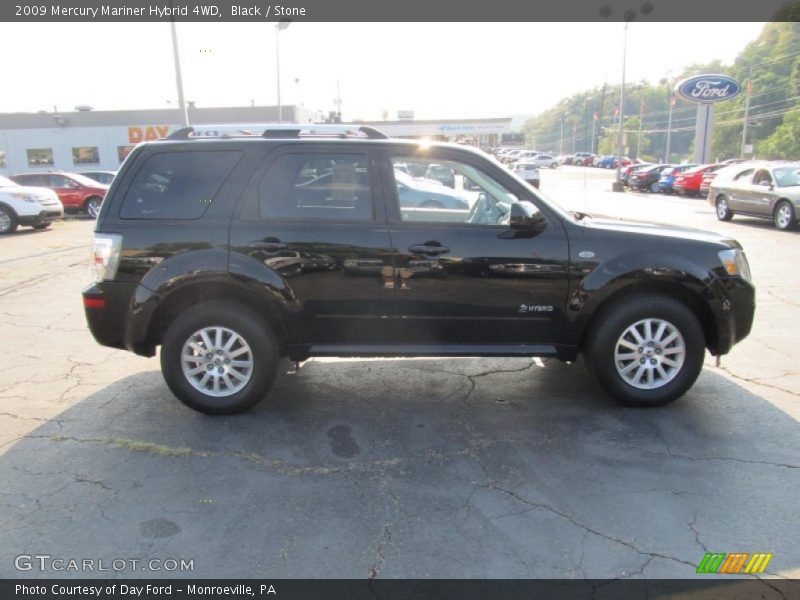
(219, 358)
(647, 350)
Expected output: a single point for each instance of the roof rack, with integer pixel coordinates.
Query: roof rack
(275, 130)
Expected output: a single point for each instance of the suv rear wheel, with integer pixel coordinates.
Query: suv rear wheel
(646, 351)
(219, 358)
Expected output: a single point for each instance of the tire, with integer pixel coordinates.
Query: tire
(654, 187)
(259, 349)
(8, 220)
(723, 209)
(784, 217)
(431, 204)
(610, 334)
(554, 166)
(92, 206)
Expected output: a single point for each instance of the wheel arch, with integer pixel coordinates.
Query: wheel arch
(10, 208)
(233, 292)
(691, 298)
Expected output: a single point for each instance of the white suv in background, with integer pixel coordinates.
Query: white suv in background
(22, 205)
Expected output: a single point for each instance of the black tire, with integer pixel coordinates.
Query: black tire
(431, 204)
(92, 206)
(42, 226)
(781, 221)
(554, 165)
(609, 326)
(8, 220)
(247, 324)
(723, 209)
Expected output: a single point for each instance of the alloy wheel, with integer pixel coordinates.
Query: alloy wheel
(649, 354)
(217, 361)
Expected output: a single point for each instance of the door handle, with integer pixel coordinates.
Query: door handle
(429, 248)
(268, 246)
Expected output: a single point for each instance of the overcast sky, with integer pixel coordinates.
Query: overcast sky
(452, 70)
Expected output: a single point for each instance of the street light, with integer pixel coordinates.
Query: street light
(178, 77)
(617, 187)
(279, 26)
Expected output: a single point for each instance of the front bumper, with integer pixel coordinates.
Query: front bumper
(733, 304)
(46, 215)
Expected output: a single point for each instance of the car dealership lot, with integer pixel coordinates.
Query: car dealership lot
(398, 468)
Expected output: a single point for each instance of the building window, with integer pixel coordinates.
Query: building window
(2, 158)
(85, 155)
(123, 151)
(40, 157)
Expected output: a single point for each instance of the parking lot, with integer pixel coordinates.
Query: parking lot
(457, 468)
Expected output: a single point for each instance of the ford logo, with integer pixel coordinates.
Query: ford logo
(709, 88)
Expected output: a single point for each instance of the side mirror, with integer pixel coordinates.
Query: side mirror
(524, 217)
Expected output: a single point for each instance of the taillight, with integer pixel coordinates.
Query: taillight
(106, 250)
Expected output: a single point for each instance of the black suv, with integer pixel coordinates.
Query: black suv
(234, 251)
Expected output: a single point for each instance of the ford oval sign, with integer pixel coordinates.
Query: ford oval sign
(709, 88)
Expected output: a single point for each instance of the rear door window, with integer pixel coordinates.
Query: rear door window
(330, 187)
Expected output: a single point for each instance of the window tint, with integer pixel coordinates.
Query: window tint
(332, 187)
(470, 196)
(177, 185)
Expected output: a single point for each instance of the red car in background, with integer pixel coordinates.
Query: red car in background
(76, 192)
(688, 183)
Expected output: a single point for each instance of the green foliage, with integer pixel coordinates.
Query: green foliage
(773, 130)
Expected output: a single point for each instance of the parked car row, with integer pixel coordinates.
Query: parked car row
(36, 199)
(588, 159)
(514, 155)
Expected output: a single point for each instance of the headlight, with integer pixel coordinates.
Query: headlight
(735, 263)
(25, 197)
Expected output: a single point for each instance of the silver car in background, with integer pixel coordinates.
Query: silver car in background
(770, 190)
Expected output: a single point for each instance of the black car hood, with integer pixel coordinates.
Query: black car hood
(643, 228)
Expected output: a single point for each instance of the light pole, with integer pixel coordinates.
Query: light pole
(617, 186)
(279, 26)
(178, 77)
(561, 140)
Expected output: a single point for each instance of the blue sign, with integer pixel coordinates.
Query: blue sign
(709, 88)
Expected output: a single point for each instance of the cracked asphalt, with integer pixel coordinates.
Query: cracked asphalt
(424, 468)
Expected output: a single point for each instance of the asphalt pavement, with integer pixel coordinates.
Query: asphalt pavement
(433, 468)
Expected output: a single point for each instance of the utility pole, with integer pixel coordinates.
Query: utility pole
(669, 125)
(594, 124)
(574, 130)
(639, 137)
(561, 141)
(283, 24)
(747, 108)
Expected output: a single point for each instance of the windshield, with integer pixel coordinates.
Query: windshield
(787, 176)
(5, 182)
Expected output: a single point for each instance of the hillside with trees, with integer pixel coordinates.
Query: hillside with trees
(587, 121)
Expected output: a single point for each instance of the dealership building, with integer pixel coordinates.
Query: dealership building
(88, 140)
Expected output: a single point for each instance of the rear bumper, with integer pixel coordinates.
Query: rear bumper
(112, 313)
(733, 304)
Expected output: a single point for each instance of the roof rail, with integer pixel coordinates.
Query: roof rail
(276, 130)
